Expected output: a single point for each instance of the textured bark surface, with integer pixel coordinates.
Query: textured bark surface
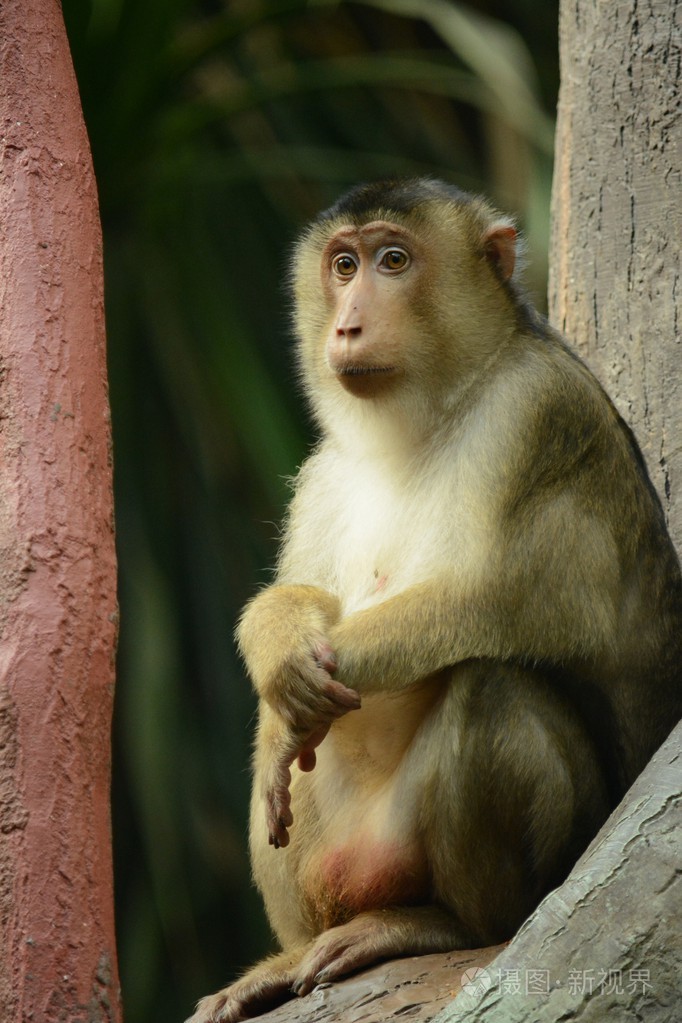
(607, 944)
(57, 563)
(615, 286)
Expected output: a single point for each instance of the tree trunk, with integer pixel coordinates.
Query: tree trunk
(57, 562)
(413, 989)
(616, 218)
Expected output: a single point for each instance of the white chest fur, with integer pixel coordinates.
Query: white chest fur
(374, 526)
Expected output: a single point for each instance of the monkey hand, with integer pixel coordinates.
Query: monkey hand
(290, 745)
(306, 696)
(283, 638)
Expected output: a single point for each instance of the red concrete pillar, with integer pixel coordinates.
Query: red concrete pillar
(57, 561)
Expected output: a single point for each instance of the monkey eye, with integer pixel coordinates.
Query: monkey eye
(344, 265)
(394, 259)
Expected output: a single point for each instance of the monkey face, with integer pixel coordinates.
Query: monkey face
(398, 309)
(367, 273)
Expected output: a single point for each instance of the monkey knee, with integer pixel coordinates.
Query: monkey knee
(542, 781)
(525, 796)
(566, 799)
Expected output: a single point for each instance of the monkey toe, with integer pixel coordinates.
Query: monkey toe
(334, 954)
(278, 814)
(279, 819)
(219, 1008)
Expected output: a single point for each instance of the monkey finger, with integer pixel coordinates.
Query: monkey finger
(303, 704)
(301, 720)
(307, 760)
(325, 657)
(315, 738)
(306, 754)
(308, 711)
(290, 710)
(346, 698)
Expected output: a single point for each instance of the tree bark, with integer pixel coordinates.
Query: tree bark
(616, 217)
(57, 562)
(414, 989)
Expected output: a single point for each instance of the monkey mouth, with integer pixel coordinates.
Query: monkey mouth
(352, 370)
(365, 381)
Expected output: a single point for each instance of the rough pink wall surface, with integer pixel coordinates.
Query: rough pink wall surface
(57, 562)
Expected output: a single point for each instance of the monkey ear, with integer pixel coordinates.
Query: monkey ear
(499, 245)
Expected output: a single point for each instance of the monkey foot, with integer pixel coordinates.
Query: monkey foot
(254, 994)
(339, 951)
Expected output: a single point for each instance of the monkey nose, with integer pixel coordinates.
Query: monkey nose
(348, 331)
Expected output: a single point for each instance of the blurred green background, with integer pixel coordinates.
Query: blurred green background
(218, 127)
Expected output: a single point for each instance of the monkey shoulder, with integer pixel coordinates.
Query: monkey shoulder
(570, 437)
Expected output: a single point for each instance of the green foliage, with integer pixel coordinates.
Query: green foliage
(218, 128)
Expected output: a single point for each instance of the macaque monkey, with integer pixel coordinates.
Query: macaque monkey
(473, 643)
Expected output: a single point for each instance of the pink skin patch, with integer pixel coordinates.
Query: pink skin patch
(353, 879)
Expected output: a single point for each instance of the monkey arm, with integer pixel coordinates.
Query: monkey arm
(551, 596)
(423, 630)
(394, 644)
(282, 636)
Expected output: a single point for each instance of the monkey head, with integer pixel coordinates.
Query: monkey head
(403, 292)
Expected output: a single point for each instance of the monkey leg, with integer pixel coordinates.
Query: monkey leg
(375, 935)
(263, 987)
(508, 814)
(367, 938)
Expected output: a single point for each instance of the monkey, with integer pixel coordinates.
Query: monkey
(473, 642)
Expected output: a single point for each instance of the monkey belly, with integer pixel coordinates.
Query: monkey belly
(369, 854)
